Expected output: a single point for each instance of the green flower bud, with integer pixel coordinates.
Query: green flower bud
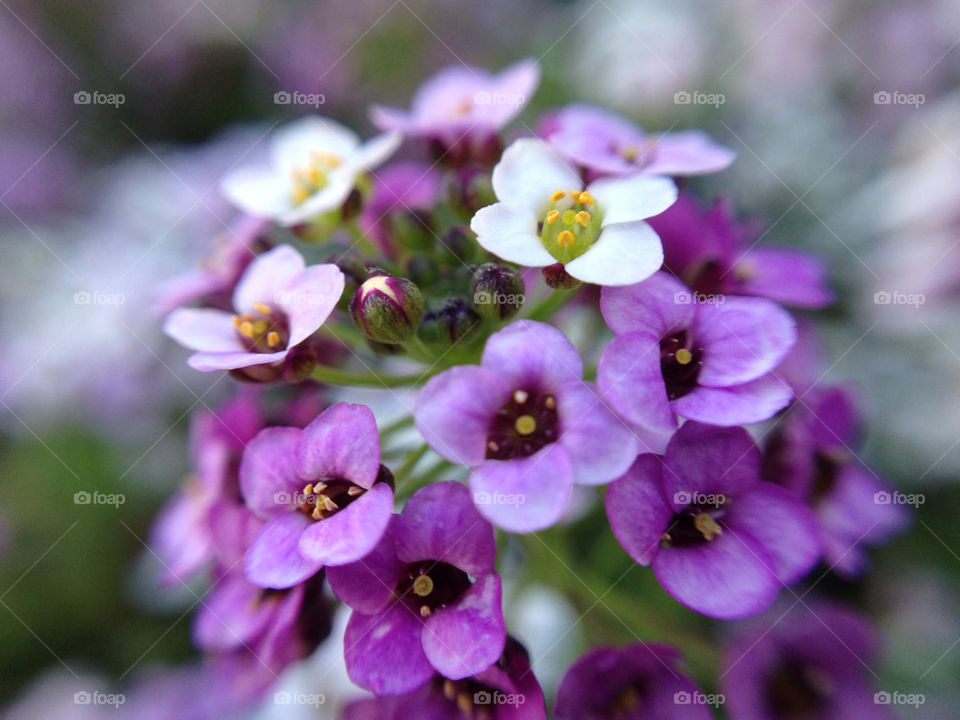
(450, 323)
(387, 309)
(497, 291)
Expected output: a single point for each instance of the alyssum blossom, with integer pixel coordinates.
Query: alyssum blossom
(526, 424)
(545, 216)
(720, 541)
(278, 303)
(315, 164)
(325, 496)
(427, 599)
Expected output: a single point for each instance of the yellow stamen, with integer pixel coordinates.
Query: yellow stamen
(300, 194)
(425, 611)
(449, 689)
(569, 217)
(465, 704)
(553, 216)
(520, 397)
(329, 505)
(492, 446)
(423, 585)
(583, 217)
(575, 195)
(557, 195)
(246, 329)
(549, 402)
(525, 424)
(273, 338)
(586, 198)
(261, 308)
(565, 239)
(707, 526)
(684, 356)
(237, 321)
(354, 490)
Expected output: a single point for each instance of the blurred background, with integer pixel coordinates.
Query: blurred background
(119, 118)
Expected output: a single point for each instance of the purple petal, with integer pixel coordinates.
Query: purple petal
(836, 422)
(274, 561)
(660, 305)
(439, 522)
(180, 535)
(742, 339)
(367, 585)
(786, 527)
(726, 578)
(751, 402)
(637, 509)
(463, 639)
(342, 443)
(213, 361)
(266, 277)
(350, 534)
(689, 152)
(269, 481)
(384, 652)
(532, 356)
(454, 411)
(524, 494)
(631, 381)
(705, 459)
(232, 614)
(600, 446)
(788, 276)
(207, 330)
(310, 299)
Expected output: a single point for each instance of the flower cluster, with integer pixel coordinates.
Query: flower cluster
(570, 327)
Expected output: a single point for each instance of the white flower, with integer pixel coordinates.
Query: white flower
(545, 216)
(315, 162)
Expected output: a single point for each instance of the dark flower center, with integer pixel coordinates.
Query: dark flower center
(430, 585)
(798, 691)
(473, 700)
(680, 364)
(263, 331)
(826, 467)
(319, 500)
(525, 423)
(698, 523)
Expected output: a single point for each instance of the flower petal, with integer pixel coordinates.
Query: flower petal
(660, 305)
(351, 533)
(309, 300)
(706, 459)
(258, 191)
(631, 381)
(689, 152)
(751, 402)
(292, 144)
(267, 277)
(232, 614)
(269, 480)
(212, 361)
(632, 198)
(637, 509)
(375, 151)
(367, 585)
(533, 356)
(510, 232)
(466, 638)
(273, 561)
(342, 443)
(624, 254)
(207, 330)
(786, 275)
(529, 171)
(524, 494)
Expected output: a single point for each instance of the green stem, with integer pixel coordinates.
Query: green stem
(545, 309)
(397, 425)
(417, 350)
(335, 376)
(411, 459)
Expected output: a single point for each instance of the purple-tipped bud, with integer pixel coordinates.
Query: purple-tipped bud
(497, 291)
(387, 309)
(558, 278)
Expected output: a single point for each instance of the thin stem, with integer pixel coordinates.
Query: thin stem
(545, 309)
(335, 376)
(397, 425)
(411, 459)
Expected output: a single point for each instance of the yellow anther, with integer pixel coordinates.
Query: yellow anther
(273, 338)
(423, 585)
(329, 505)
(550, 402)
(262, 308)
(575, 195)
(684, 356)
(237, 321)
(308, 489)
(565, 239)
(583, 217)
(630, 153)
(586, 198)
(520, 396)
(553, 216)
(425, 611)
(557, 195)
(707, 526)
(354, 490)
(260, 327)
(246, 329)
(525, 424)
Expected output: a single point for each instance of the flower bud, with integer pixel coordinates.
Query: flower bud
(497, 291)
(450, 323)
(387, 309)
(558, 278)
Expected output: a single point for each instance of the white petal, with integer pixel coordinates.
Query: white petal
(203, 329)
(624, 254)
(260, 192)
(375, 151)
(529, 172)
(339, 185)
(267, 278)
(291, 145)
(631, 198)
(510, 232)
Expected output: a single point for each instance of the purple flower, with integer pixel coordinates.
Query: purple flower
(808, 662)
(637, 682)
(399, 188)
(677, 353)
(325, 495)
(605, 143)
(460, 101)
(507, 690)
(427, 599)
(279, 303)
(810, 453)
(713, 254)
(720, 541)
(526, 424)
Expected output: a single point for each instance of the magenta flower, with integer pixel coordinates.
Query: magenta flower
(677, 353)
(326, 498)
(461, 101)
(526, 424)
(279, 303)
(637, 682)
(807, 662)
(720, 541)
(810, 453)
(507, 690)
(714, 254)
(605, 143)
(399, 189)
(427, 599)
